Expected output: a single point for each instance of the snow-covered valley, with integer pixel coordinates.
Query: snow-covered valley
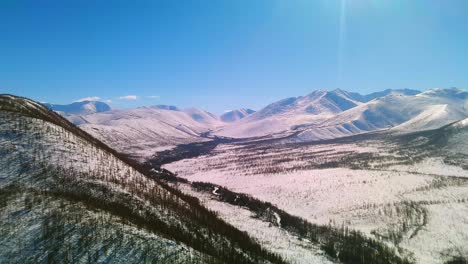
(402, 190)
(319, 115)
(330, 177)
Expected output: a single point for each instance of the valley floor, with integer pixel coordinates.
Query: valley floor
(292, 248)
(408, 198)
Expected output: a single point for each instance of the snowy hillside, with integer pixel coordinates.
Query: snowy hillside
(235, 115)
(453, 138)
(80, 108)
(325, 115)
(144, 130)
(66, 197)
(396, 112)
(202, 116)
(291, 112)
(372, 96)
(315, 103)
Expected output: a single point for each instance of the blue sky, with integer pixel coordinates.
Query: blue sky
(220, 55)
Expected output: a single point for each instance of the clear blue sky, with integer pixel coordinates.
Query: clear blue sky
(220, 55)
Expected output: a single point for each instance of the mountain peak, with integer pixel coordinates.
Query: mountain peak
(322, 101)
(452, 92)
(236, 114)
(80, 108)
(369, 97)
(200, 115)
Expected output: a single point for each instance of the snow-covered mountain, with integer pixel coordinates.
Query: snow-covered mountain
(368, 97)
(235, 115)
(318, 115)
(144, 130)
(67, 197)
(331, 114)
(315, 103)
(80, 108)
(291, 112)
(399, 113)
(202, 116)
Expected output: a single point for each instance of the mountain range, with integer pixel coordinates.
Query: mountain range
(83, 185)
(319, 115)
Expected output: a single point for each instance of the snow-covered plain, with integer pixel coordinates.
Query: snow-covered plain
(369, 185)
(293, 249)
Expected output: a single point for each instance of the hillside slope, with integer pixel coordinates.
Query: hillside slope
(283, 115)
(66, 197)
(325, 115)
(399, 113)
(145, 130)
(236, 115)
(369, 97)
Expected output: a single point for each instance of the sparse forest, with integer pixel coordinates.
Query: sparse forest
(66, 185)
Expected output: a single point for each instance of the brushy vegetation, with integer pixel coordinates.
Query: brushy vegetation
(342, 244)
(400, 220)
(457, 260)
(42, 227)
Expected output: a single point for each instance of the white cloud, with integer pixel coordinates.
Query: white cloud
(108, 101)
(90, 98)
(128, 97)
(154, 97)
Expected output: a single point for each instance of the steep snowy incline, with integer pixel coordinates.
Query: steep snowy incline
(291, 113)
(66, 197)
(236, 115)
(325, 115)
(429, 110)
(368, 97)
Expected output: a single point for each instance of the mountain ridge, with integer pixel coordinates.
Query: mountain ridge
(65, 190)
(326, 114)
(80, 108)
(236, 114)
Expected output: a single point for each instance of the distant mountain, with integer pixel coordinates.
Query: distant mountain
(318, 115)
(317, 102)
(195, 113)
(80, 108)
(235, 115)
(67, 197)
(291, 112)
(201, 116)
(399, 113)
(372, 96)
(144, 130)
(331, 114)
(449, 93)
